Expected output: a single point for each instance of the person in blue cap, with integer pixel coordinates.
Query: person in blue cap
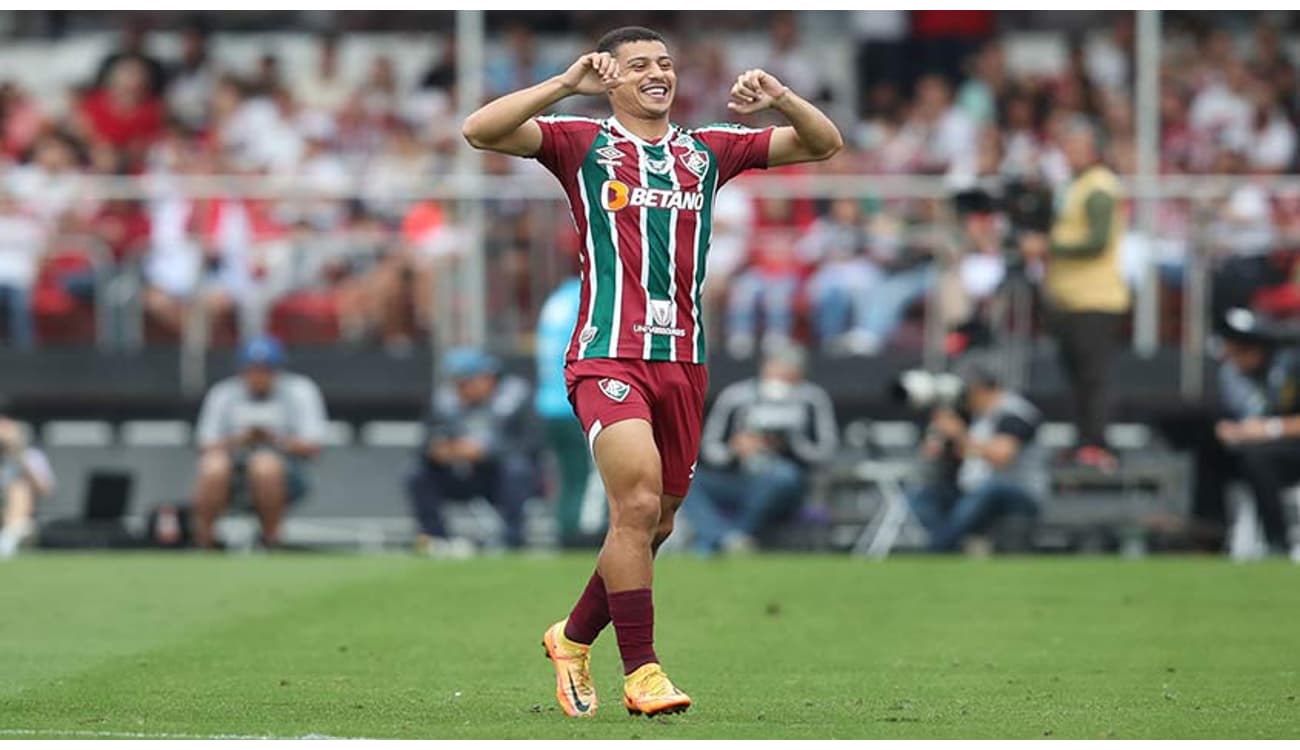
(479, 442)
(255, 431)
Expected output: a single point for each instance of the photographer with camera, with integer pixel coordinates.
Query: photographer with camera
(1257, 433)
(759, 443)
(983, 465)
(25, 477)
(1085, 289)
(256, 431)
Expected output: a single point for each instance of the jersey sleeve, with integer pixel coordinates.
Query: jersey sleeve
(565, 141)
(736, 148)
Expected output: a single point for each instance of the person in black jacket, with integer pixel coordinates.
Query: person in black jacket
(759, 442)
(1257, 438)
(480, 442)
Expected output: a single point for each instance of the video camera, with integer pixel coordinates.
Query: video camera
(923, 390)
(1027, 204)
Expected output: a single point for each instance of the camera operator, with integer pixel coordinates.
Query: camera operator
(1257, 440)
(25, 477)
(1085, 290)
(760, 440)
(982, 469)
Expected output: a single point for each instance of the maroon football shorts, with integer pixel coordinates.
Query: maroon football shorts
(668, 395)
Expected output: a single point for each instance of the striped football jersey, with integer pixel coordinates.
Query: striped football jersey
(644, 213)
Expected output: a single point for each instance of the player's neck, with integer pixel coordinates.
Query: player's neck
(647, 129)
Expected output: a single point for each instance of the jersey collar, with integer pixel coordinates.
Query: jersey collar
(617, 127)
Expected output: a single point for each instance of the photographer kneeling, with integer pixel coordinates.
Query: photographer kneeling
(982, 469)
(1258, 436)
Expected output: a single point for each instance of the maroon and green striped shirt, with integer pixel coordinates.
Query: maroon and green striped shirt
(644, 213)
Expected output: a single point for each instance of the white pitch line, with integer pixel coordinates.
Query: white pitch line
(104, 734)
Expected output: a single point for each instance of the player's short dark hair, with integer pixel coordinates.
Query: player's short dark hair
(612, 40)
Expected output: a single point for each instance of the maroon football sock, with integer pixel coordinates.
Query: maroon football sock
(633, 613)
(590, 615)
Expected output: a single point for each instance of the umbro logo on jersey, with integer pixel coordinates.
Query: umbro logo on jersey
(609, 156)
(615, 195)
(587, 335)
(615, 389)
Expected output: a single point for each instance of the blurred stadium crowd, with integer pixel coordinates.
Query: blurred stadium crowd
(935, 94)
(202, 186)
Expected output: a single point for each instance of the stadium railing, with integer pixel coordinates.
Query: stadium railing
(472, 303)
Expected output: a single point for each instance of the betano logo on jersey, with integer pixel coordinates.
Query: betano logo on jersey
(615, 195)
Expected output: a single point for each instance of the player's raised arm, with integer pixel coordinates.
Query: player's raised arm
(506, 124)
(811, 136)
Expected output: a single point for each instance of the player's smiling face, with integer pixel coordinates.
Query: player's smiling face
(649, 79)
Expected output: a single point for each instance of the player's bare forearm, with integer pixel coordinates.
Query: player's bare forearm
(506, 124)
(811, 135)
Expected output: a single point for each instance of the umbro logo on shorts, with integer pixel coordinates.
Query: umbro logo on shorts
(615, 389)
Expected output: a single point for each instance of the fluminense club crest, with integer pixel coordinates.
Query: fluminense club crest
(697, 162)
(615, 389)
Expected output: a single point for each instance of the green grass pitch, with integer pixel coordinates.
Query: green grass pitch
(771, 647)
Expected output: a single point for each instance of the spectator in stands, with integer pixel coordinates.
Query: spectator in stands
(1258, 436)
(1271, 140)
(770, 281)
(786, 59)
(564, 436)
(979, 95)
(943, 132)
(49, 184)
(21, 121)
(132, 47)
(984, 468)
(441, 75)
(23, 237)
(325, 88)
(380, 93)
(479, 442)
(760, 441)
(516, 64)
(838, 246)
(25, 478)
(256, 432)
(1243, 237)
(733, 228)
(123, 113)
(1085, 290)
(191, 80)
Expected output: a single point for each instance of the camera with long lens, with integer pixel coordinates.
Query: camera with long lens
(923, 390)
(1028, 206)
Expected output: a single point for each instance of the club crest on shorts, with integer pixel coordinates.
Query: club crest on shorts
(615, 389)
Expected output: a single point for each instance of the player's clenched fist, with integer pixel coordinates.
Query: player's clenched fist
(593, 73)
(755, 90)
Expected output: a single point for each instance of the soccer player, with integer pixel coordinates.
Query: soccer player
(641, 189)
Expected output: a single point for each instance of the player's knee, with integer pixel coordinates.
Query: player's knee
(265, 466)
(637, 511)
